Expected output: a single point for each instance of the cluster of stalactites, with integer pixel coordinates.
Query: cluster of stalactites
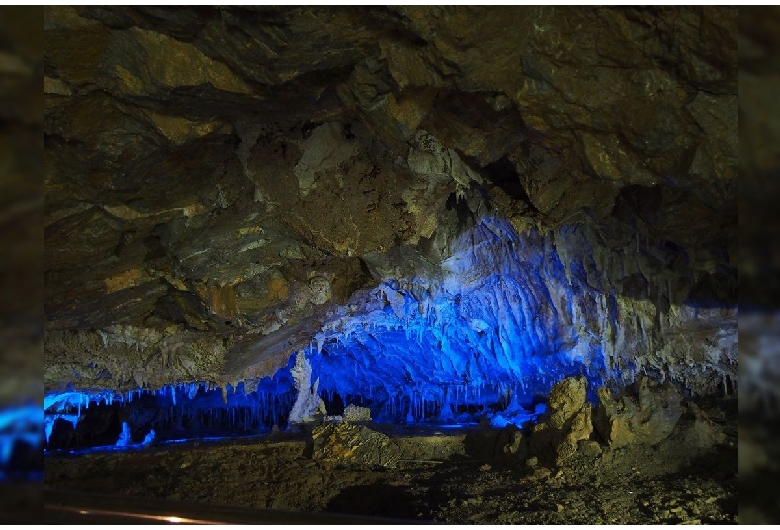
(507, 311)
(254, 407)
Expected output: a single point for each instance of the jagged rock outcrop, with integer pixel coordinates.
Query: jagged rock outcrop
(567, 421)
(649, 414)
(648, 417)
(697, 431)
(514, 445)
(345, 442)
(229, 178)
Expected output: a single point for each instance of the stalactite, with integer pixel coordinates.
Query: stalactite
(510, 317)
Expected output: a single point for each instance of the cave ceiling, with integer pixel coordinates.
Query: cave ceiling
(234, 173)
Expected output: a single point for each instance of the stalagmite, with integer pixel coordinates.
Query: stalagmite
(503, 316)
(308, 400)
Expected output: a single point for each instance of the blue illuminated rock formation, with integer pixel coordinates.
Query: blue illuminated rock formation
(501, 325)
(173, 413)
(485, 333)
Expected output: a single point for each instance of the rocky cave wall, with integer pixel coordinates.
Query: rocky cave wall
(549, 190)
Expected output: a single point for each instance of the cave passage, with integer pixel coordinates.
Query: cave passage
(104, 420)
(483, 341)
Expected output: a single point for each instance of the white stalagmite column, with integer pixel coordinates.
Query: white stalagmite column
(308, 401)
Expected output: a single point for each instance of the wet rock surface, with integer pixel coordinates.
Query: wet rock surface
(669, 483)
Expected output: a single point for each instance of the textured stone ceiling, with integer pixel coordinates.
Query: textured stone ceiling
(217, 180)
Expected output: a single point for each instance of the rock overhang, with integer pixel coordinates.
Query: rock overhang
(357, 146)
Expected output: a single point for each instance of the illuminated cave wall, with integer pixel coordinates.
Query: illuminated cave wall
(483, 334)
(434, 234)
(502, 320)
(508, 317)
(177, 412)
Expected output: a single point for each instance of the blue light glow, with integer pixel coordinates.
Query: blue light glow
(78, 421)
(506, 319)
(20, 437)
(125, 439)
(491, 336)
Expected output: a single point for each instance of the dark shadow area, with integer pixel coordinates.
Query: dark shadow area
(757, 495)
(720, 465)
(638, 202)
(482, 444)
(503, 174)
(379, 499)
(21, 501)
(758, 470)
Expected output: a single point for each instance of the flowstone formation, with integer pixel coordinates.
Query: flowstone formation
(433, 213)
(503, 319)
(484, 334)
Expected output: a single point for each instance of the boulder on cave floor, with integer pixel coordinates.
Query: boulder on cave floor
(696, 431)
(345, 442)
(355, 414)
(514, 445)
(566, 422)
(648, 417)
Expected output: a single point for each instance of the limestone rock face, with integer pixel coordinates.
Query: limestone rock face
(349, 443)
(567, 421)
(566, 400)
(237, 172)
(649, 417)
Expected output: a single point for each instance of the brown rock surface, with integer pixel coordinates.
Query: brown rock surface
(204, 165)
(345, 442)
(436, 481)
(648, 417)
(566, 422)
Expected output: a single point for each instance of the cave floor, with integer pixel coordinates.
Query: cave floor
(632, 485)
